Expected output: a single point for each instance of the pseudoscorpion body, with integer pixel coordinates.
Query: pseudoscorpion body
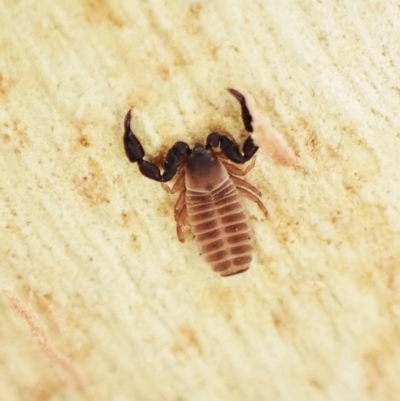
(210, 192)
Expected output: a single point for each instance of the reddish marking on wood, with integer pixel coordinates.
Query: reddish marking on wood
(268, 138)
(63, 365)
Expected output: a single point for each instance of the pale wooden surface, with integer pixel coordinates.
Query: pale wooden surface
(99, 300)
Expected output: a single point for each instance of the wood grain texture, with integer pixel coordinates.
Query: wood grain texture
(98, 298)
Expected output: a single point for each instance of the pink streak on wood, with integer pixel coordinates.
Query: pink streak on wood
(38, 330)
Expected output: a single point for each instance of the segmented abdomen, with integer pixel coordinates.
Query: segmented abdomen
(219, 223)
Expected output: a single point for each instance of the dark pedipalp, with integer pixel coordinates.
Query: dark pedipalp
(133, 148)
(228, 147)
(135, 153)
(246, 116)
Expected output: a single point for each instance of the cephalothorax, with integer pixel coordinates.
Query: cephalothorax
(210, 187)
